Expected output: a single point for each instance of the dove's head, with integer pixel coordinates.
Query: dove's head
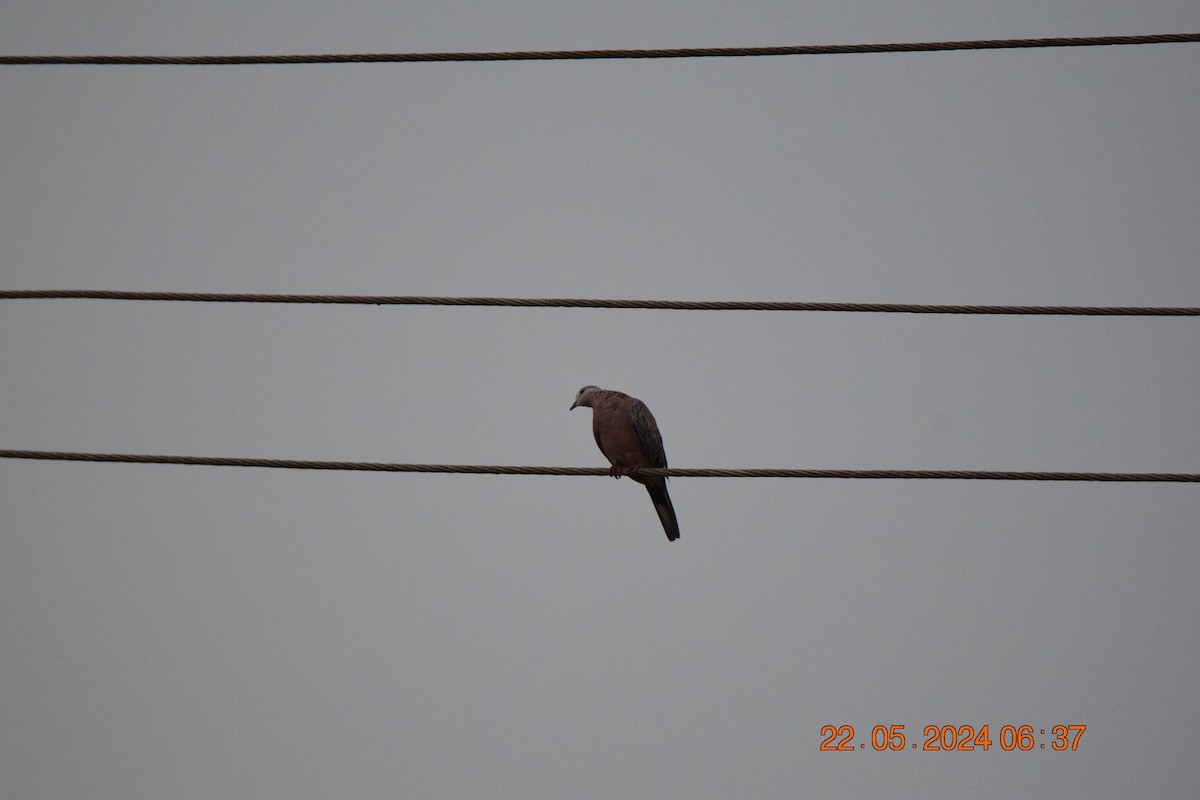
(584, 396)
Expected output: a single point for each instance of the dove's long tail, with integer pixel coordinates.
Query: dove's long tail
(666, 511)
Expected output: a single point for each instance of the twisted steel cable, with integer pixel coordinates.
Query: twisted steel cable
(557, 55)
(475, 469)
(560, 302)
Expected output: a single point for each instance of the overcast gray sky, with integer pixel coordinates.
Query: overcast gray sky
(203, 632)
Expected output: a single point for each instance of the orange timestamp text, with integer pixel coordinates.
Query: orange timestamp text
(954, 738)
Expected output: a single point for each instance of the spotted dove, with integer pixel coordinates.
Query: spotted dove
(628, 436)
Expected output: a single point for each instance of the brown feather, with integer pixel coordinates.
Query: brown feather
(628, 436)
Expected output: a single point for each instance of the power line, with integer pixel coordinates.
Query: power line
(474, 469)
(556, 55)
(547, 302)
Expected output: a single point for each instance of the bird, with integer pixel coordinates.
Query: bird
(628, 436)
